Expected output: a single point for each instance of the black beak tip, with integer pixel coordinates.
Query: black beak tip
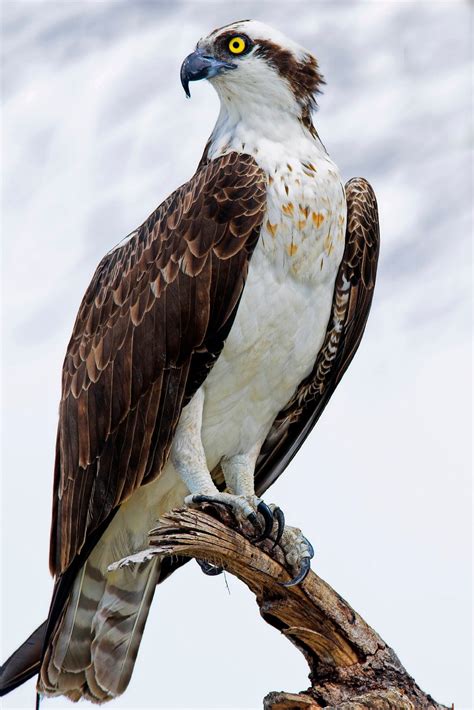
(198, 66)
(185, 80)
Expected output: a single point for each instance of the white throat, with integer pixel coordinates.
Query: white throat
(303, 229)
(271, 134)
(260, 115)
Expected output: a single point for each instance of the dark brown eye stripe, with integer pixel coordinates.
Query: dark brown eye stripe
(303, 76)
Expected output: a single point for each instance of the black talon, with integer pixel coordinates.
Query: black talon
(209, 499)
(252, 518)
(209, 569)
(280, 518)
(267, 515)
(310, 548)
(304, 569)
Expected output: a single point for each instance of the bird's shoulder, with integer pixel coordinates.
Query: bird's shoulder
(219, 209)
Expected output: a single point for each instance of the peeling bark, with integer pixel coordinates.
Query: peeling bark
(351, 667)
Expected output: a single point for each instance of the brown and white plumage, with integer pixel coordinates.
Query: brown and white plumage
(217, 332)
(126, 377)
(127, 373)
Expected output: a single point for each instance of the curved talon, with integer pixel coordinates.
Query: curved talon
(267, 515)
(280, 518)
(304, 569)
(209, 569)
(209, 499)
(310, 548)
(252, 518)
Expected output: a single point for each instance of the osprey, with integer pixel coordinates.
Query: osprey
(204, 351)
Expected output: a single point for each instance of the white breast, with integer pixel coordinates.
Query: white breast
(277, 333)
(284, 311)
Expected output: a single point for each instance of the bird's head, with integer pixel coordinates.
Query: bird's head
(253, 66)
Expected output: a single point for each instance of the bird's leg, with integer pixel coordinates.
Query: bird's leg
(189, 460)
(187, 451)
(239, 498)
(239, 473)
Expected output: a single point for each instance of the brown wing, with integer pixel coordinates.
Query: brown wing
(351, 305)
(151, 325)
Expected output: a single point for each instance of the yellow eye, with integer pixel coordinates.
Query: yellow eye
(237, 45)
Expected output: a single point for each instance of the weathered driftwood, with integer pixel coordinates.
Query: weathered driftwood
(351, 668)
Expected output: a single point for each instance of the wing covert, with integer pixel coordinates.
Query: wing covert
(150, 326)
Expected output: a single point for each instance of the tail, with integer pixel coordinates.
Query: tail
(93, 650)
(119, 624)
(24, 663)
(92, 646)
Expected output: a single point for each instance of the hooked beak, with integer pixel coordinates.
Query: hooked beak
(198, 66)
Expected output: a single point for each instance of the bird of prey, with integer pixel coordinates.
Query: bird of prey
(204, 351)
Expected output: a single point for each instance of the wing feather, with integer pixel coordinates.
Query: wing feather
(149, 328)
(150, 407)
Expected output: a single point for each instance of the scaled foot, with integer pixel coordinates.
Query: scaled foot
(269, 521)
(242, 508)
(298, 553)
(296, 548)
(250, 508)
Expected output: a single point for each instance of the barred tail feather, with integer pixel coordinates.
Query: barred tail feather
(119, 623)
(93, 651)
(72, 651)
(68, 653)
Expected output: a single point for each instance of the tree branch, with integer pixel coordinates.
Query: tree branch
(351, 668)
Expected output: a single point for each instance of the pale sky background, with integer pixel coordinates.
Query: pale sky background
(96, 132)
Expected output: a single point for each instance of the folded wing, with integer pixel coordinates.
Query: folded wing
(151, 325)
